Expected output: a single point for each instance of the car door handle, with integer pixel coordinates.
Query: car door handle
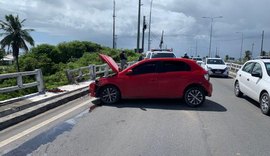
(247, 79)
(239, 75)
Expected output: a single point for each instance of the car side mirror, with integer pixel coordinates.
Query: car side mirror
(256, 75)
(129, 72)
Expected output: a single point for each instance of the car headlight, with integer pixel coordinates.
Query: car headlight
(209, 68)
(226, 68)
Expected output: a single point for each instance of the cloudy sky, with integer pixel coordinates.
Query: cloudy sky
(57, 21)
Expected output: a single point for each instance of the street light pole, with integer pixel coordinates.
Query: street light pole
(211, 32)
(242, 39)
(149, 32)
(139, 23)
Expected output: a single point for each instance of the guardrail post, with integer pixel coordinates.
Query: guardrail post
(39, 78)
(106, 73)
(69, 77)
(93, 72)
(19, 81)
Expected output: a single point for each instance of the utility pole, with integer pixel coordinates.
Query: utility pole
(149, 25)
(114, 42)
(196, 49)
(161, 40)
(143, 30)
(242, 40)
(139, 23)
(262, 42)
(211, 31)
(252, 47)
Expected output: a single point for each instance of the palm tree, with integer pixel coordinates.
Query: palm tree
(15, 36)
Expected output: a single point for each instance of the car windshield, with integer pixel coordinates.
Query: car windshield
(161, 55)
(197, 59)
(215, 61)
(267, 65)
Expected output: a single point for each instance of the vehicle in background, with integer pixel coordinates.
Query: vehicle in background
(253, 80)
(216, 67)
(199, 60)
(154, 78)
(160, 53)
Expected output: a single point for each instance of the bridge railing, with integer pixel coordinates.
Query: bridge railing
(89, 72)
(20, 83)
(233, 67)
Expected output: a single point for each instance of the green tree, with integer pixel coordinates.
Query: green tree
(263, 53)
(15, 36)
(247, 55)
(2, 54)
(226, 57)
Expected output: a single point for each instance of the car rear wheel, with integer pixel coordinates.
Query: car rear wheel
(237, 91)
(264, 103)
(109, 95)
(194, 96)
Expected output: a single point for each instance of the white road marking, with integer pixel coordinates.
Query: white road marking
(19, 135)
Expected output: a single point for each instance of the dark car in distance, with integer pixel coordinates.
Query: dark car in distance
(154, 78)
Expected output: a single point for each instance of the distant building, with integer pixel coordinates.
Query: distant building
(8, 59)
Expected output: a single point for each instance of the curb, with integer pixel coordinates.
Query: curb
(43, 106)
(31, 104)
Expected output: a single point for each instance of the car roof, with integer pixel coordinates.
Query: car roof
(214, 58)
(262, 60)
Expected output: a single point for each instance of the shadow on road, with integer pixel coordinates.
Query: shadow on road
(166, 104)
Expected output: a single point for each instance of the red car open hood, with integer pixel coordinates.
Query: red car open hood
(107, 59)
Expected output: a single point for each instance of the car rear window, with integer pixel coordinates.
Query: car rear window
(248, 67)
(174, 66)
(161, 55)
(267, 65)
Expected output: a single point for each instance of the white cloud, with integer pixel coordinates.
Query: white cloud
(180, 19)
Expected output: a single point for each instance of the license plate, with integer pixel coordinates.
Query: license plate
(218, 72)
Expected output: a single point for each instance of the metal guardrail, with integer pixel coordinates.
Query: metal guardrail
(20, 84)
(233, 67)
(89, 72)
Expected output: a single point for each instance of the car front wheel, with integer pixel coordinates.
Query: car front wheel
(264, 103)
(237, 91)
(109, 95)
(194, 96)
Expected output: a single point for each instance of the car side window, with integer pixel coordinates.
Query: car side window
(174, 66)
(257, 68)
(149, 67)
(148, 55)
(248, 67)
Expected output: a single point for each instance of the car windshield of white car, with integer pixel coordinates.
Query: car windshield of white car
(161, 55)
(267, 65)
(214, 61)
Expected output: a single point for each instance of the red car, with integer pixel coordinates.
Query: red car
(154, 78)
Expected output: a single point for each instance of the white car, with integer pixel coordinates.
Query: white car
(253, 80)
(159, 53)
(199, 61)
(216, 67)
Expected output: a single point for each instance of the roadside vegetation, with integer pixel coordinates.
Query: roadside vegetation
(54, 60)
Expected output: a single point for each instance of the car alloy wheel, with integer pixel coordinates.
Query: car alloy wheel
(237, 91)
(194, 96)
(109, 94)
(264, 103)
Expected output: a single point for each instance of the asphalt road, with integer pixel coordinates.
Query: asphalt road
(224, 126)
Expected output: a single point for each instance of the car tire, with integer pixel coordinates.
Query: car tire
(109, 94)
(194, 96)
(265, 104)
(237, 91)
